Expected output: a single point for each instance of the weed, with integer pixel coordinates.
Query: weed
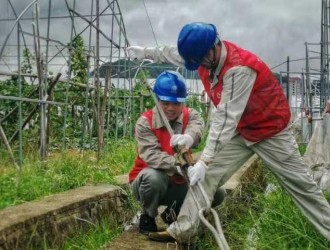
(63, 171)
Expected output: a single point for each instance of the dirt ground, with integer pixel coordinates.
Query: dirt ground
(133, 240)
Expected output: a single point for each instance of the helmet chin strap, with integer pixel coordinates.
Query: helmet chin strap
(214, 63)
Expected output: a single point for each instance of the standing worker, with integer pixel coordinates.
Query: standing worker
(156, 177)
(251, 115)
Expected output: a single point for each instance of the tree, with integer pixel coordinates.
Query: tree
(78, 60)
(28, 59)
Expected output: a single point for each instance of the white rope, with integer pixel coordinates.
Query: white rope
(217, 231)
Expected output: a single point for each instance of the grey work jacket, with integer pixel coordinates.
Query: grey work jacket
(149, 148)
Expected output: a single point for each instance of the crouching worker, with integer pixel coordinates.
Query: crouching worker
(156, 177)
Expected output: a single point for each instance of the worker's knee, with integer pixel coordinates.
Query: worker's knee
(154, 179)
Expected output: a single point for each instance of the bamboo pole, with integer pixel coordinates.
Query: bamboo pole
(5, 141)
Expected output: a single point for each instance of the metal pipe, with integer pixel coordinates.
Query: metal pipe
(17, 20)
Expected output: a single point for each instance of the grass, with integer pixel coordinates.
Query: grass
(62, 172)
(271, 222)
(282, 226)
(95, 238)
(253, 220)
(250, 219)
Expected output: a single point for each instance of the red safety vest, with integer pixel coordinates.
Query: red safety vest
(267, 111)
(164, 139)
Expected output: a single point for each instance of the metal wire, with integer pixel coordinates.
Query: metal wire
(152, 29)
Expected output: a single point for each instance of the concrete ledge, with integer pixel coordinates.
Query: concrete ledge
(54, 218)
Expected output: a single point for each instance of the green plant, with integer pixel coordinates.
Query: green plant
(302, 148)
(282, 226)
(268, 220)
(193, 102)
(120, 155)
(63, 171)
(9, 108)
(28, 61)
(78, 60)
(95, 238)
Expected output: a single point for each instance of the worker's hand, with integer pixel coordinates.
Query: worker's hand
(136, 53)
(182, 140)
(180, 160)
(197, 172)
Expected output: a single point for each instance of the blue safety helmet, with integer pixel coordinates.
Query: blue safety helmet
(195, 41)
(170, 86)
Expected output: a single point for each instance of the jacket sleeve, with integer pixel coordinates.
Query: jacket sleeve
(165, 54)
(149, 148)
(237, 86)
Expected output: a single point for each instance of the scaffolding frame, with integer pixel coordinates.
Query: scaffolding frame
(111, 39)
(102, 28)
(104, 33)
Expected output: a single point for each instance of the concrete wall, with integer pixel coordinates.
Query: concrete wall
(57, 217)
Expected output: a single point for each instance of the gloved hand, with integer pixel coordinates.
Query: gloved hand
(136, 53)
(197, 172)
(180, 140)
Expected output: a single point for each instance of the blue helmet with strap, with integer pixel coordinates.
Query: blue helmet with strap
(170, 86)
(195, 41)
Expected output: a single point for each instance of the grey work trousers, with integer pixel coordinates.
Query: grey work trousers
(284, 161)
(152, 188)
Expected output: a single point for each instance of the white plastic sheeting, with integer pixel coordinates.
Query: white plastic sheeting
(317, 154)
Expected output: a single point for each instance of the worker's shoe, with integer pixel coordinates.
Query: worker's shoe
(163, 236)
(147, 224)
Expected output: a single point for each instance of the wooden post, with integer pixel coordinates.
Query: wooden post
(5, 141)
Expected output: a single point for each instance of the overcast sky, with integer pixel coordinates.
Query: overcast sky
(272, 29)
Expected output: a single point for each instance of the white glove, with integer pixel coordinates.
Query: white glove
(136, 53)
(179, 139)
(197, 172)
